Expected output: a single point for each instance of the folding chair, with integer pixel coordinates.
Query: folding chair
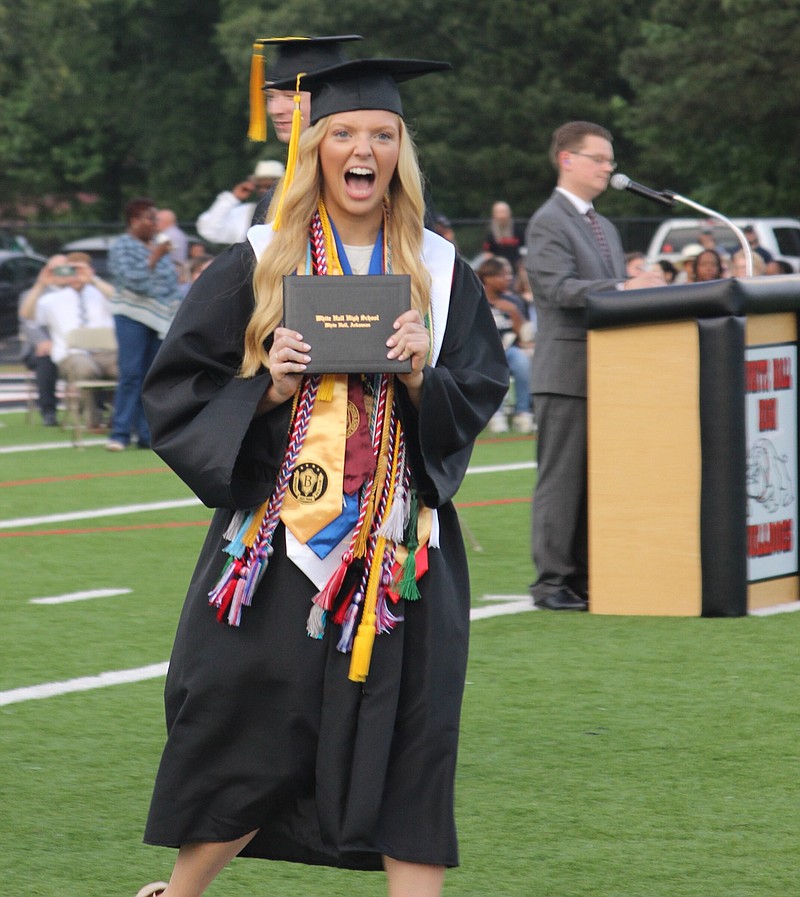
(79, 393)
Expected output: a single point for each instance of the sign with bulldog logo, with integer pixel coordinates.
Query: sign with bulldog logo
(771, 420)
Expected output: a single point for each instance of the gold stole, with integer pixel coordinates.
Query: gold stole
(314, 496)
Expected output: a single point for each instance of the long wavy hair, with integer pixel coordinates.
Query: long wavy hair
(288, 248)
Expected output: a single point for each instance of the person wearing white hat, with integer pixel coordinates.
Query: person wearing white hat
(228, 218)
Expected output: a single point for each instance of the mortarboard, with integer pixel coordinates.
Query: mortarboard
(360, 84)
(294, 55)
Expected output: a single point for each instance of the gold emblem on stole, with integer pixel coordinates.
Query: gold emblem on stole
(309, 482)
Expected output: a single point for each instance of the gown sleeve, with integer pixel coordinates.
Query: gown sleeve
(201, 413)
(459, 395)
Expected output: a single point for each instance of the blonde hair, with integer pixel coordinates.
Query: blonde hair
(289, 245)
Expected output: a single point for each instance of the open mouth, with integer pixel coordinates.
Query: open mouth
(359, 181)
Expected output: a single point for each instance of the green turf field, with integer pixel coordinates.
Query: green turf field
(600, 756)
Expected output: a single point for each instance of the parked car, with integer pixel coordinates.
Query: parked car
(18, 271)
(15, 242)
(781, 236)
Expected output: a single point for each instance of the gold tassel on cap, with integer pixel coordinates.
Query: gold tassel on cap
(258, 101)
(291, 161)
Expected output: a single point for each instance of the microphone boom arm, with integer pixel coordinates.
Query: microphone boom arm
(748, 252)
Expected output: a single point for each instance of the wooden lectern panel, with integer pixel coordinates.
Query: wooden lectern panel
(645, 470)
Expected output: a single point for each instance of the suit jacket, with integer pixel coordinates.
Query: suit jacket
(565, 264)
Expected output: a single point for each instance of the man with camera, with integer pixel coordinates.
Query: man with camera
(67, 295)
(61, 272)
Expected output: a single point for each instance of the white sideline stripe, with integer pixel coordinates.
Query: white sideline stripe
(84, 683)
(44, 446)
(102, 512)
(499, 468)
(156, 670)
(80, 596)
(186, 503)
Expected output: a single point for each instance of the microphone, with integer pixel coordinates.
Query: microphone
(623, 182)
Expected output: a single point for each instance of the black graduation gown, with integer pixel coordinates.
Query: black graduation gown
(265, 730)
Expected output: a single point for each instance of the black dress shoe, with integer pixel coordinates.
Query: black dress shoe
(562, 599)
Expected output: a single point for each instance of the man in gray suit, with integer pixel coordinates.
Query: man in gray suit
(572, 251)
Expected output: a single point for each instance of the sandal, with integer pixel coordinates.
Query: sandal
(153, 889)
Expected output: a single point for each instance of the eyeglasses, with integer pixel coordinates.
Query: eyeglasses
(598, 160)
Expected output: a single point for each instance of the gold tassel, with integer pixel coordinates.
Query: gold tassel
(258, 101)
(362, 649)
(291, 160)
(365, 636)
(325, 391)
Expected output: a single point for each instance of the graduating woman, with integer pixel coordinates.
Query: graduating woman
(334, 520)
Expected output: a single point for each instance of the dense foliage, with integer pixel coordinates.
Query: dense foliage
(101, 100)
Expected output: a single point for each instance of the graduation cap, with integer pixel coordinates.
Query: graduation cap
(360, 84)
(294, 55)
(346, 87)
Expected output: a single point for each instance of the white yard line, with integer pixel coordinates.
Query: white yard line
(157, 670)
(80, 596)
(20, 522)
(45, 446)
(100, 512)
(84, 683)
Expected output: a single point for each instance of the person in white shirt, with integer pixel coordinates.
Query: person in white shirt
(78, 303)
(229, 217)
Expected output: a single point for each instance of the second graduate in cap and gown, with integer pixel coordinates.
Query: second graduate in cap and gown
(339, 748)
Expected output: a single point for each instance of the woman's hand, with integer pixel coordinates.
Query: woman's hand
(287, 362)
(410, 340)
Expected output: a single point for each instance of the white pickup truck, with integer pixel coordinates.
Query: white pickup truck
(780, 236)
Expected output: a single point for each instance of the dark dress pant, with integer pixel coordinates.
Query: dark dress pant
(559, 539)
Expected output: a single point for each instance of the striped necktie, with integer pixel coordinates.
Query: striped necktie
(83, 311)
(599, 236)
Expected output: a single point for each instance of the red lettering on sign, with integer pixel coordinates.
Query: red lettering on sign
(782, 373)
(758, 378)
(767, 414)
(765, 539)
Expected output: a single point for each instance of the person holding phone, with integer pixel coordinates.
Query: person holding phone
(76, 299)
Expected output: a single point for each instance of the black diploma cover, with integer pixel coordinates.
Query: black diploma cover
(347, 320)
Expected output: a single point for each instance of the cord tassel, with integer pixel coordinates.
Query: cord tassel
(362, 649)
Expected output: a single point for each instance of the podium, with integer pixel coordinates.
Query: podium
(693, 461)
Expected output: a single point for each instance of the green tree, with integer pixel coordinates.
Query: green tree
(118, 99)
(715, 108)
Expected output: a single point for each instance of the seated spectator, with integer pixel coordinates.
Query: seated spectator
(686, 264)
(516, 330)
(196, 266)
(36, 333)
(506, 239)
(752, 238)
(707, 266)
(635, 263)
(739, 265)
(77, 302)
(779, 266)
